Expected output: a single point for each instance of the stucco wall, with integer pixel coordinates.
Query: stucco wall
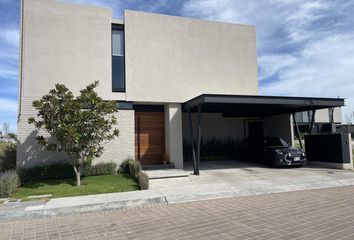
(66, 43)
(173, 134)
(322, 115)
(173, 59)
(279, 126)
(337, 115)
(214, 125)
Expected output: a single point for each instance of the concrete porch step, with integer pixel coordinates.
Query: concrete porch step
(166, 173)
(158, 166)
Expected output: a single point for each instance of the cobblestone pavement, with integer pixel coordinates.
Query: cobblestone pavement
(311, 214)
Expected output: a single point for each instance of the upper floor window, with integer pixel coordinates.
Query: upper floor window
(118, 68)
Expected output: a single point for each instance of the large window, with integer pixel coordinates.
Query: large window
(118, 72)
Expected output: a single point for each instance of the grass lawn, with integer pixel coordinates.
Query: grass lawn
(67, 188)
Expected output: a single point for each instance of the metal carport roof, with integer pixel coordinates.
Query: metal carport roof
(257, 106)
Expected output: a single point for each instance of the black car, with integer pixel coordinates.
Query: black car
(272, 151)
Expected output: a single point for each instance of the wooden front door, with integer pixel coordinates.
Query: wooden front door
(149, 137)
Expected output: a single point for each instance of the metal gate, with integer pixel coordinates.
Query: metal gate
(334, 149)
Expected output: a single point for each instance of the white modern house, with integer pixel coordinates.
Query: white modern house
(173, 78)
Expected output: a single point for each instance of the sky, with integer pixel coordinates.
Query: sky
(304, 47)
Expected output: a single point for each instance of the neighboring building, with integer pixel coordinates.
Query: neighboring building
(158, 68)
(325, 120)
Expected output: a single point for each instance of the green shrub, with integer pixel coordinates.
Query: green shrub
(9, 182)
(108, 168)
(125, 166)
(52, 171)
(64, 170)
(143, 180)
(132, 167)
(7, 156)
(215, 149)
(135, 169)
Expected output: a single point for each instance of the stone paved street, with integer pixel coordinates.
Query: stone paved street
(311, 214)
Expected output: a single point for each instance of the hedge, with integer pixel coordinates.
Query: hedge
(7, 157)
(213, 148)
(9, 182)
(64, 170)
(143, 180)
(109, 168)
(132, 167)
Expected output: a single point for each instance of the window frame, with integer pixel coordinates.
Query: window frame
(121, 28)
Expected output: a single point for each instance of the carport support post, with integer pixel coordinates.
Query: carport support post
(312, 120)
(199, 137)
(297, 130)
(192, 141)
(331, 120)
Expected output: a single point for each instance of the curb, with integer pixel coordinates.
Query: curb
(50, 210)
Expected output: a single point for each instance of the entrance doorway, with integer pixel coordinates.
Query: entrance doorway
(149, 137)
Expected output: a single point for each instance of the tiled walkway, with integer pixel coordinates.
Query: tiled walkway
(313, 214)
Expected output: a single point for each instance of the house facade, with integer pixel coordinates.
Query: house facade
(152, 65)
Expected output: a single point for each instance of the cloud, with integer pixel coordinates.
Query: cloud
(8, 109)
(8, 106)
(299, 22)
(9, 44)
(10, 37)
(116, 6)
(323, 68)
(8, 72)
(272, 64)
(305, 48)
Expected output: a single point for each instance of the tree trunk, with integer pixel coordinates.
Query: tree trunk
(78, 176)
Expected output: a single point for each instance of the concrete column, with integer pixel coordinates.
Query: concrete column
(173, 133)
(279, 126)
(350, 147)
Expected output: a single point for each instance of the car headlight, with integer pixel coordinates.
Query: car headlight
(303, 154)
(279, 152)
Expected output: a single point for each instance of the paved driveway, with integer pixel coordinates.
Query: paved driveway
(317, 214)
(234, 178)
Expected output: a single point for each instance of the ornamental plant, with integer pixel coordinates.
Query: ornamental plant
(80, 125)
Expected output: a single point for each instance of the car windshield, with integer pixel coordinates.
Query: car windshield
(274, 142)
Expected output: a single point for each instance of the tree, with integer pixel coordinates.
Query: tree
(12, 136)
(349, 119)
(6, 129)
(80, 125)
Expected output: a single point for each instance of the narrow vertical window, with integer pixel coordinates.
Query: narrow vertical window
(118, 75)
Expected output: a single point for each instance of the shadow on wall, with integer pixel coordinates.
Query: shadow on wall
(30, 153)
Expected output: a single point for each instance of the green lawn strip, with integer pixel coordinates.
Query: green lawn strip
(67, 188)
